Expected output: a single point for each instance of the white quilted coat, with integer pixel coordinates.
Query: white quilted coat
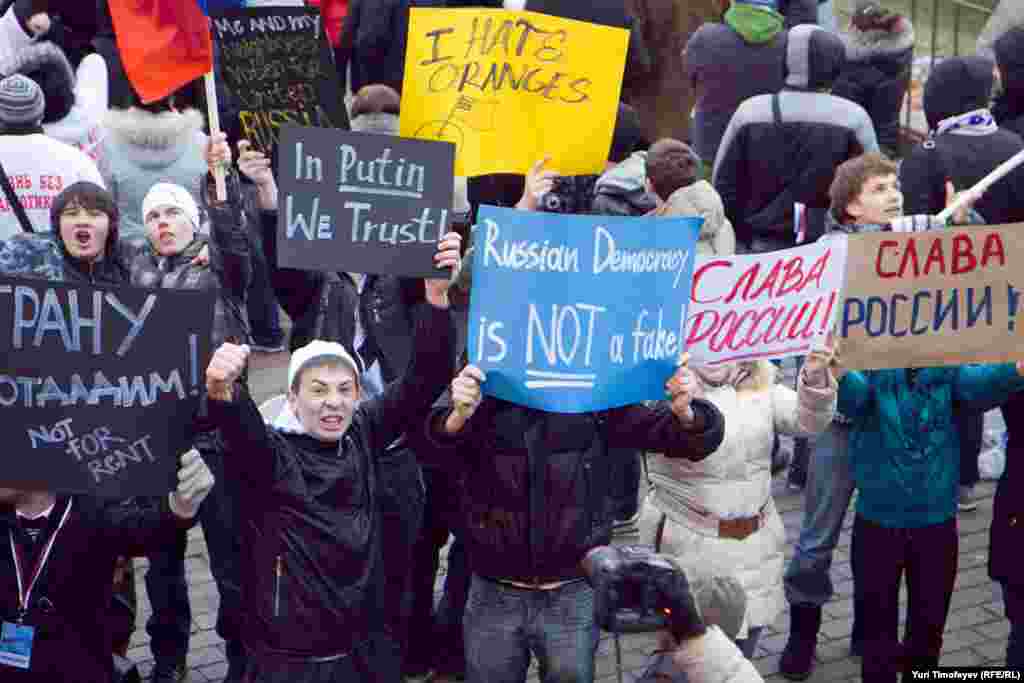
(734, 482)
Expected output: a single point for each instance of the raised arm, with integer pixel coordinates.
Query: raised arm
(231, 256)
(684, 428)
(249, 448)
(296, 290)
(406, 402)
(137, 530)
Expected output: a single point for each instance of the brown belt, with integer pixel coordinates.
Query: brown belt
(737, 529)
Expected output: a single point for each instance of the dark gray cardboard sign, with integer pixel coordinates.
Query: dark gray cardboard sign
(362, 203)
(99, 386)
(276, 64)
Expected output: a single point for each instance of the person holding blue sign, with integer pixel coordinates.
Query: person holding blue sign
(534, 502)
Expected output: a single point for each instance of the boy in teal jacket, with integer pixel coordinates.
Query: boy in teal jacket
(905, 463)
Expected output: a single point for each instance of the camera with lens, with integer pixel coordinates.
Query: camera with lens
(637, 590)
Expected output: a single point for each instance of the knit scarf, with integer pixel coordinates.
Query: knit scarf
(977, 122)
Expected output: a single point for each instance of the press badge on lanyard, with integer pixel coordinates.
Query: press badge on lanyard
(16, 639)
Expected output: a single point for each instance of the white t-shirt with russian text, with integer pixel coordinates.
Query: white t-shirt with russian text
(39, 169)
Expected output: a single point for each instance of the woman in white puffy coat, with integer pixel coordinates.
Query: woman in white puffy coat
(716, 516)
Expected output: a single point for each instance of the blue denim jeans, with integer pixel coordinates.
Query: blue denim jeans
(826, 500)
(504, 624)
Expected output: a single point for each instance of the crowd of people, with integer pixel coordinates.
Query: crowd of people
(325, 512)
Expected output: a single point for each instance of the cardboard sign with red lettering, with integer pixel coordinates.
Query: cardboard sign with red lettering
(764, 305)
(947, 297)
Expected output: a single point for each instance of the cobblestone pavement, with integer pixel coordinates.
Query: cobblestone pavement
(976, 630)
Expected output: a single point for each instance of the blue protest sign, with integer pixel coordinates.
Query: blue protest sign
(574, 314)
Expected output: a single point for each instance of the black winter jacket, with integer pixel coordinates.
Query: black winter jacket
(229, 272)
(964, 159)
(311, 529)
(323, 306)
(783, 148)
(876, 76)
(535, 490)
(71, 600)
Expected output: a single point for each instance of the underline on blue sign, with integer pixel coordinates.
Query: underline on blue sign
(558, 384)
(380, 190)
(561, 375)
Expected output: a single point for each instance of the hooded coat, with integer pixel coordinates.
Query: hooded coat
(1009, 107)
(784, 148)
(735, 482)
(876, 76)
(959, 85)
(729, 62)
(700, 199)
(141, 149)
(621, 190)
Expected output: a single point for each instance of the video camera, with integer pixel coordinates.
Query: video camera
(637, 591)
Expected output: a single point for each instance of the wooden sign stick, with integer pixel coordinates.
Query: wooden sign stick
(214, 117)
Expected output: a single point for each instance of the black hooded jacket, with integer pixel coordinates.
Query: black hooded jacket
(312, 533)
(1009, 107)
(959, 85)
(784, 148)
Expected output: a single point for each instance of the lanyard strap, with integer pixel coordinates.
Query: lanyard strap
(24, 594)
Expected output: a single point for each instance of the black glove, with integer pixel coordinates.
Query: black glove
(638, 590)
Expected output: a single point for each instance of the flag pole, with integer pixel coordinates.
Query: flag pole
(212, 111)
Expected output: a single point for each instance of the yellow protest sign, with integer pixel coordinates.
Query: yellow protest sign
(508, 88)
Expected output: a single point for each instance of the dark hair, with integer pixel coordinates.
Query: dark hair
(671, 164)
(88, 196)
(628, 134)
(850, 178)
(376, 99)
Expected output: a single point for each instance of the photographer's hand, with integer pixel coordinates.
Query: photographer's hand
(538, 183)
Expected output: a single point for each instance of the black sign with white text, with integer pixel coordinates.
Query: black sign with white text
(361, 202)
(99, 385)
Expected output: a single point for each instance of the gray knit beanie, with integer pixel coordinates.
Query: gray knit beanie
(21, 102)
(46, 64)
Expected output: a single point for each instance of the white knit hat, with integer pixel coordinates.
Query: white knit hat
(168, 194)
(318, 350)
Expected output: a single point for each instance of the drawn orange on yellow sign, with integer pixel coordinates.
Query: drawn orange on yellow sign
(508, 88)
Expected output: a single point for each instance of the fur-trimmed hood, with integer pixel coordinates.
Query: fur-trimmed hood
(756, 375)
(862, 46)
(153, 140)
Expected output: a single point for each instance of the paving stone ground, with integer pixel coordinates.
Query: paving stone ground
(976, 631)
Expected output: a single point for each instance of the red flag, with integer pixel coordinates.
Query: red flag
(164, 44)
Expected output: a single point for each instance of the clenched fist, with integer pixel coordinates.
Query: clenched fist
(226, 366)
(466, 397)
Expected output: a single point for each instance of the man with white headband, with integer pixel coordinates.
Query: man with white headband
(309, 487)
